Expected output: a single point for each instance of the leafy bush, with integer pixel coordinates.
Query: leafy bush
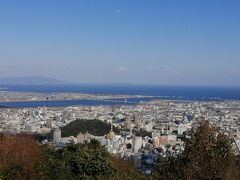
(75, 162)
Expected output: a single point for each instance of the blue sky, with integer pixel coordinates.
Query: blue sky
(166, 42)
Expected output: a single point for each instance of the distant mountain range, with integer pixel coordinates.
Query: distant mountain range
(30, 80)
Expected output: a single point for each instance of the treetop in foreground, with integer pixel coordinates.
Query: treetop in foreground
(208, 154)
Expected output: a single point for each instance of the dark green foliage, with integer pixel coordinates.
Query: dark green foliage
(94, 127)
(207, 155)
(41, 137)
(23, 158)
(142, 133)
(76, 162)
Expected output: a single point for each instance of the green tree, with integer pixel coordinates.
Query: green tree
(208, 154)
(94, 127)
(76, 162)
(51, 166)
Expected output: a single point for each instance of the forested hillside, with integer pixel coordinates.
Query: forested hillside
(94, 127)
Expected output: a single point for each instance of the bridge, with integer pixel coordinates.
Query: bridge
(125, 101)
(18, 105)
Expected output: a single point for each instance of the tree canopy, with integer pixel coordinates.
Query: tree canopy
(18, 156)
(22, 158)
(208, 154)
(76, 162)
(94, 127)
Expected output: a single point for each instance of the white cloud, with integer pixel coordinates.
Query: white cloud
(168, 69)
(135, 69)
(122, 68)
(117, 11)
(149, 68)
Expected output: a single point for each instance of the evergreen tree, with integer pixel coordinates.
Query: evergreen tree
(208, 154)
(79, 161)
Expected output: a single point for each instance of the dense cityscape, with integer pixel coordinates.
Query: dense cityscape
(147, 131)
(120, 90)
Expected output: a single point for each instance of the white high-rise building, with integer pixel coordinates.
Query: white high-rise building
(137, 143)
(136, 118)
(57, 135)
(49, 123)
(80, 138)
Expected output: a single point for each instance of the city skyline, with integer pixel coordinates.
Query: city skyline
(134, 42)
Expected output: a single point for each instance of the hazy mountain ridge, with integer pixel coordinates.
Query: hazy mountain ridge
(30, 80)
